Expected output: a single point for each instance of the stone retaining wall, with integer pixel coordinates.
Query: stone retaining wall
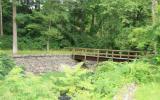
(44, 63)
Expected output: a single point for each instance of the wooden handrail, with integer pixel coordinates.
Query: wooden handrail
(131, 51)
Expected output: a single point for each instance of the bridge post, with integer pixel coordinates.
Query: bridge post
(94, 52)
(120, 54)
(112, 54)
(106, 53)
(98, 56)
(128, 55)
(85, 54)
(73, 53)
(136, 55)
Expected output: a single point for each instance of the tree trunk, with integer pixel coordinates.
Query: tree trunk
(61, 1)
(1, 19)
(48, 43)
(15, 48)
(92, 29)
(155, 18)
(48, 39)
(154, 11)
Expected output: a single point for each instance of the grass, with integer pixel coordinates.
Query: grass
(148, 92)
(37, 52)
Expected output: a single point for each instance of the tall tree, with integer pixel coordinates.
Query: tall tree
(154, 11)
(1, 19)
(54, 13)
(155, 18)
(15, 47)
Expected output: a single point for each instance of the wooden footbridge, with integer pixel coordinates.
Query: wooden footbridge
(83, 54)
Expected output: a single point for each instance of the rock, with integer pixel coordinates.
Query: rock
(126, 93)
(44, 63)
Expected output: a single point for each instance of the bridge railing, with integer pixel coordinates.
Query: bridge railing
(106, 53)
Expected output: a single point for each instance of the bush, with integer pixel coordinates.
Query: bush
(27, 43)
(6, 64)
(137, 71)
(77, 83)
(6, 42)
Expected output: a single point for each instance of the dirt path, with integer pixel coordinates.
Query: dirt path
(126, 93)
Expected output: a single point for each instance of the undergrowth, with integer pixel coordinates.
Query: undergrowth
(77, 83)
(6, 65)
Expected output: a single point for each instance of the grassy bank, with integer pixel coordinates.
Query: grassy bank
(36, 52)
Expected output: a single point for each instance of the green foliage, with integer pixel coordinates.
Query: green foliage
(77, 83)
(23, 43)
(111, 24)
(137, 37)
(37, 43)
(6, 42)
(53, 33)
(6, 65)
(17, 87)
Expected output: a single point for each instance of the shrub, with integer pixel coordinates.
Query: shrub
(77, 83)
(6, 64)
(137, 71)
(6, 42)
(18, 86)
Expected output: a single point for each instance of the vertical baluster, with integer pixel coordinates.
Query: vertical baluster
(98, 56)
(120, 54)
(73, 53)
(136, 55)
(94, 52)
(106, 53)
(128, 55)
(85, 54)
(112, 54)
